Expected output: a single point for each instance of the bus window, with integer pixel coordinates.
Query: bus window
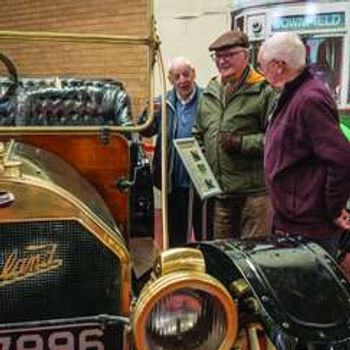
(324, 56)
(240, 23)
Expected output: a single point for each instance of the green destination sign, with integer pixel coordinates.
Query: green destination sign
(331, 20)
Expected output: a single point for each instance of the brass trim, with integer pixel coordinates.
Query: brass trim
(94, 225)
(5, 150)
(240, 287)
(167, 284)
(2, 151)
(81, 38)
(164, 157)
(9, 168)
(179, 259)
(19, 268)
(253, 338)
(253, 305)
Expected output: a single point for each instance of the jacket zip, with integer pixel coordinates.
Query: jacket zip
(217, 136)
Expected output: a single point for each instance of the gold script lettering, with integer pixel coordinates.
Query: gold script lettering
(34, 260)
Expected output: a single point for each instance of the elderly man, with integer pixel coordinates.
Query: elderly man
(307, 159)
(182, 102)
(231, 122)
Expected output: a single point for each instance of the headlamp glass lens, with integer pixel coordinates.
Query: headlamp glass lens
(187, 319)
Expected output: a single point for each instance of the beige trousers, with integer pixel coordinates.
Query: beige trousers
(243, 217)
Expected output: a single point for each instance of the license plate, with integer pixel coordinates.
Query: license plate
(86, 336)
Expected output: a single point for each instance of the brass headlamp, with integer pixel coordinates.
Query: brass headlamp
(183, 307)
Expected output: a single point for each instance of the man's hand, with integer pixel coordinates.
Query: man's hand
(343, 220)
(230, 142)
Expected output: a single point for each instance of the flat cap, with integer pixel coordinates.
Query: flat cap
(230, 39)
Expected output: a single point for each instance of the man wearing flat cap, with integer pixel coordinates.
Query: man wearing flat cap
(231, 123)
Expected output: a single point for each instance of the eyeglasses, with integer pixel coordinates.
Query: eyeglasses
(266, 67)
(226, 55)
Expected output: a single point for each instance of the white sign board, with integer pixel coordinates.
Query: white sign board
(197, 167)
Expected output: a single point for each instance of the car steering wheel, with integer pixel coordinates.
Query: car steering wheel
(13, 77)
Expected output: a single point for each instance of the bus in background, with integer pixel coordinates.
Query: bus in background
(323, 26)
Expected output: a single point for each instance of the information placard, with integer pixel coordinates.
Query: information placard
(197, 166)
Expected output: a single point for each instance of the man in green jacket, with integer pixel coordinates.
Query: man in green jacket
(231, 122)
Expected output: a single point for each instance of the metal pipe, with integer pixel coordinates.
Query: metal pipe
(82, 38)
(164, 160)
(253, 337)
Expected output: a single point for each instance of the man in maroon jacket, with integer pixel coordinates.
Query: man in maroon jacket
(307, 159)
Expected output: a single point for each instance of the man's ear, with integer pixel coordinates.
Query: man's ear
(246, 53)
(170, 78)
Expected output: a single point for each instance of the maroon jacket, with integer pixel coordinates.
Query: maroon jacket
(307, 160)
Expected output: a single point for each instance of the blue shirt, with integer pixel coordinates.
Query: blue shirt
(185, 120)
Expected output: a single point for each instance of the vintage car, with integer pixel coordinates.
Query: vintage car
(69, 205)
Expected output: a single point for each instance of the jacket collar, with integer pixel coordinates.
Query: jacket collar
(252, 84)
(295, 83)
(291, 87)
(171, 97)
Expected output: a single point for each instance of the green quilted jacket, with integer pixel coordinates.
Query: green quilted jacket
(245, 114)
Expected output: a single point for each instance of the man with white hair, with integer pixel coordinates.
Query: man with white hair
(182, 102)
(307, 159)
